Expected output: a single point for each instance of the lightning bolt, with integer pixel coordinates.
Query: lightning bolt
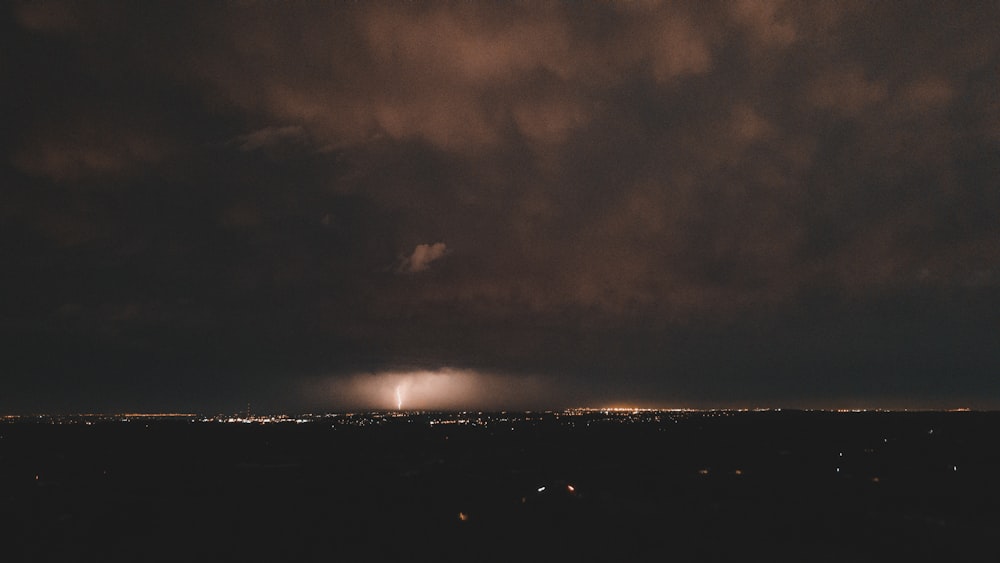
(399, 399)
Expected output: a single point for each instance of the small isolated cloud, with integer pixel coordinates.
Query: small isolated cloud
(422, 257)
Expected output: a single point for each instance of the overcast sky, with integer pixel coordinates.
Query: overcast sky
(746, 203)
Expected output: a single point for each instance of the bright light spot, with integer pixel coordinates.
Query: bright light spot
(570, 488)
(954, 468)
(541, 489)
(444, 388)
(702, 472)
(463, 516)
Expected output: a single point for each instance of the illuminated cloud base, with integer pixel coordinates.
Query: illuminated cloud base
(442, 389)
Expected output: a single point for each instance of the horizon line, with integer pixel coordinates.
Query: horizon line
(608, 409)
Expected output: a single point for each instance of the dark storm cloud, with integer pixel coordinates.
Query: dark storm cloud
(695, 202)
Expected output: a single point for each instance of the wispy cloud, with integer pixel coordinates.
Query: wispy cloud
(273, 135)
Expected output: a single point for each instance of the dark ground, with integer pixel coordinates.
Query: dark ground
(686, 487)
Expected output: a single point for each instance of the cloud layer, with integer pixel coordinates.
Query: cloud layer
(622, 187)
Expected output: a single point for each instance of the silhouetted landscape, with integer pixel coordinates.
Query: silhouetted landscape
(606, 485)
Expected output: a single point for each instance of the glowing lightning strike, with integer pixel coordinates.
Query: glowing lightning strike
(399, 399)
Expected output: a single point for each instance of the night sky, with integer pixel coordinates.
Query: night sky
(313, 205)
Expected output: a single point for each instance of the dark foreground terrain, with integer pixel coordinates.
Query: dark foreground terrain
(596, 486)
